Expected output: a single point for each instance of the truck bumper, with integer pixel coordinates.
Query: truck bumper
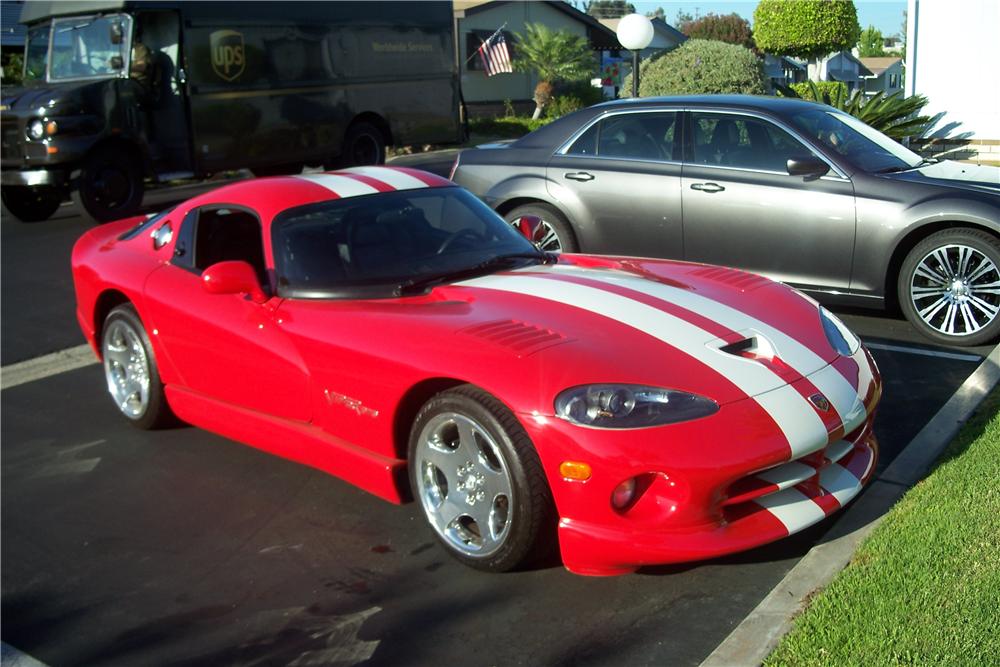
(33, 177)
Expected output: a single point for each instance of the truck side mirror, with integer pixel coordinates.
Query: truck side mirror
(116, 62)
(116, 33)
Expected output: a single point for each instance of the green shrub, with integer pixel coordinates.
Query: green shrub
(509, 127)
(831, 89)
(571, 97)
(805, 28)
(700, 66)
(12, 69)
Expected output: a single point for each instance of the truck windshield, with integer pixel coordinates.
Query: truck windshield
(83, 47)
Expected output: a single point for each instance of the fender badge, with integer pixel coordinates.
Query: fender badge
(352, 404)
(819, 400)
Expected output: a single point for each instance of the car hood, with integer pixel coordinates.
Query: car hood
(719, 332)
(979, 178)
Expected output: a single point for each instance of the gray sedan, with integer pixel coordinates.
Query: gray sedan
(791, 189)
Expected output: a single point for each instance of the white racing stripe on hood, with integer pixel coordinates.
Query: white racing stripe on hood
(396, 179)
(829, 381)
(340, 185)
(796, 418)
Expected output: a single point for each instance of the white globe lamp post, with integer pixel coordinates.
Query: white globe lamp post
(635, 32)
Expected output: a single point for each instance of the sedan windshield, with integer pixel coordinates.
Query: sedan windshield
(385, 244)
(862, 145)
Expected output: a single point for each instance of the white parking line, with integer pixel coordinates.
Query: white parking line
(45, 366)
(923, 352)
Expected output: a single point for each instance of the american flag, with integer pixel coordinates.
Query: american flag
(494, 54)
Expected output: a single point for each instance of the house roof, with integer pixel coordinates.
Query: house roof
(659, 25)
(11, 31)
(879, 65)
(600, 36)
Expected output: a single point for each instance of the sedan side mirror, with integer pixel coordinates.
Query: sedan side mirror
(810, 167)
(233, 277)
(530, 227)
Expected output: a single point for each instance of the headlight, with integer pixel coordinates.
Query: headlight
(841, 338)
(36, 129)
(630, 406)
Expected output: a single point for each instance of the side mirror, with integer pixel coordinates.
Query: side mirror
(116, 33)
(530, 227)
(233, 277)
(116, 62)
(810, 167)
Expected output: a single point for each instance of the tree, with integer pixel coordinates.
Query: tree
(870, 45)
(554, 56)
(805, 28)
(609, 9)
(657, 13)
(729, 28)
(700, 66)
(683, 18)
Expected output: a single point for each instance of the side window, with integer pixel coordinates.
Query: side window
(636, 136)
(743, 142)
(225, 234)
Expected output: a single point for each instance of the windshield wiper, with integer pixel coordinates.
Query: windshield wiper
(418, 285)
(893, 170)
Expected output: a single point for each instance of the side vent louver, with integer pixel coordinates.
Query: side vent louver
(522, 338)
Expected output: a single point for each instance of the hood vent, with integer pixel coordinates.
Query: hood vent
(522, 338)
(741, 280)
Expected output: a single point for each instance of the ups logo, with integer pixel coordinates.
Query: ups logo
(228, 54)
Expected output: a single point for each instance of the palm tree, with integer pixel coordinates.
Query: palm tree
(554, 56)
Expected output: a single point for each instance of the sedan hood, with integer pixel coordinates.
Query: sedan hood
(725, 333)
(980, 178)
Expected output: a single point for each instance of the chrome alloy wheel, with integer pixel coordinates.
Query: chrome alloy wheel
(464, 484)
(126, 369)
(955, 289)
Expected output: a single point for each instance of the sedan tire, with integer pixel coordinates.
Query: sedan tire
(558, 235)
(479, 481)
(949, 287)
(130, 370)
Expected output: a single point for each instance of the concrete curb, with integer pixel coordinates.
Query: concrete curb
(753, 639)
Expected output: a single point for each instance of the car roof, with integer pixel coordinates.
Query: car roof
(272, 195)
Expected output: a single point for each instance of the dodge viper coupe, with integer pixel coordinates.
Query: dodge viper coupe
(387, 327)
(794, 190)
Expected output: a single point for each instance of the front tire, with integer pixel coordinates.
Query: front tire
(557, 234)
(949, 287)
(111, 185)
(31, 203)
(479, 481)
(130, 370)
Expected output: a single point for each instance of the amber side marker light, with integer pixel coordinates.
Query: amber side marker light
(575, 471)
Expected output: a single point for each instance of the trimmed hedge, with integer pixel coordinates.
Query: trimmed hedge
(507, 127)
(700, 66)
(829, 88)
(805, 28)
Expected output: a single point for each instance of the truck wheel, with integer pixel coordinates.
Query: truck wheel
(31, 204)
(277, 170)
(363, 145)
(110, 186)
(949, 287)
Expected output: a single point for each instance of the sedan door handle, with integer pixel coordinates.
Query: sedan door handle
(707, 187)
(579, 176)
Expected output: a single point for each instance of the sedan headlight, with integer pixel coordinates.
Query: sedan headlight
(630, 406)
(841, 338)
(36, 129)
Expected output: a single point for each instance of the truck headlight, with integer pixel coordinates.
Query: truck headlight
(36, 129)
(630, 406)
(841, 338)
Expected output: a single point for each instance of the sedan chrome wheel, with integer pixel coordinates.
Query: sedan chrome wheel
(550, 239)
(126, 368)
(955, 290)
(464, 484)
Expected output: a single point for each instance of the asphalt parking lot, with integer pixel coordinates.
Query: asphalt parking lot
(180, 547)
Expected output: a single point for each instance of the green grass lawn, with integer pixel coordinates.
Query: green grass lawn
(924, 588)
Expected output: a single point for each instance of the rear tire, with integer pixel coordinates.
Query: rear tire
(558, 236)
(364, 145)
(479, 481)
(110, 186)
(130, 370)
(949, 287)
(31, 203)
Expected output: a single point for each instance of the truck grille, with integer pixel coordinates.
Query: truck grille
(11, 148)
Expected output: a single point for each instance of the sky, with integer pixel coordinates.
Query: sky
(886, 15)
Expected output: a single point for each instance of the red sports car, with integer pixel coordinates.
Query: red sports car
(387, 327)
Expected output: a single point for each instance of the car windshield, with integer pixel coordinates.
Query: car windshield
(862, 145)
(390, 241)
(83, 47)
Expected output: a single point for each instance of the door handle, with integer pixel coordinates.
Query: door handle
(579, 176)
(707, 187)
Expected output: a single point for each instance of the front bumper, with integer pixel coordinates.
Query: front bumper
(35, 177)
(710, 487)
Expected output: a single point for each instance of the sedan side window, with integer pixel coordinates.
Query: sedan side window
(635, 136)
(743, 142)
